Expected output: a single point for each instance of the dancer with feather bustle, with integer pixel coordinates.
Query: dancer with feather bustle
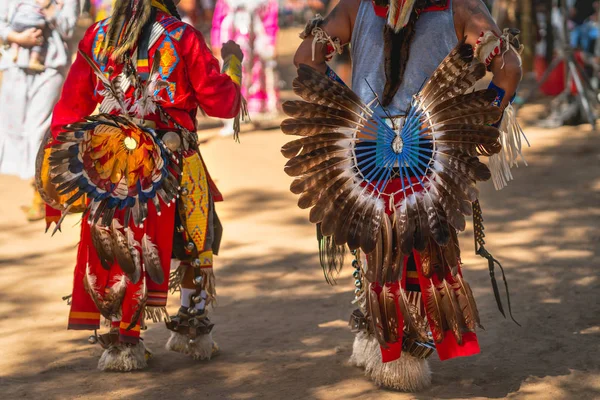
(389, 169)
(136, 171)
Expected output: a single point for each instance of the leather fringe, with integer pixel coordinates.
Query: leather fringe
(156, 314)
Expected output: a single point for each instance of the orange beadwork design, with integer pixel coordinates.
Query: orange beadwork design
(113, 159)
(168, 59)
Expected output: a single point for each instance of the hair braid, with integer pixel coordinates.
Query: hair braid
(172, 8)
(397, 50)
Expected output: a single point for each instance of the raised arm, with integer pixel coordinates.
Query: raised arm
(338, 24)
(472, 19)
(216, 93)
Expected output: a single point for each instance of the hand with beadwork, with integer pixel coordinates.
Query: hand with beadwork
(231, 48)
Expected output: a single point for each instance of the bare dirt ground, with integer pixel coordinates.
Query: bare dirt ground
(283, 330)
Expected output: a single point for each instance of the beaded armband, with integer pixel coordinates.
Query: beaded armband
(333, 76)
(232, 67)
(332, 44)
(490, 45)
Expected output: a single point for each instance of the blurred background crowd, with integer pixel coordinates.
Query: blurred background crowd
(39, 38)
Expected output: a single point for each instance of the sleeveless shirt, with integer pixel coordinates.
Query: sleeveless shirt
(435, 37)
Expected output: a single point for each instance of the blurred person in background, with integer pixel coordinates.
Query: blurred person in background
(27, 96)
(253, 24)
(583, 19)
(101, 9)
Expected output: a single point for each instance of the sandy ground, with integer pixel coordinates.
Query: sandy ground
(283, 330)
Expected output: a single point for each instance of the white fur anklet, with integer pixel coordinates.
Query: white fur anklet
(124, 358)
(202, 348)
(407, 374)
(363, 346)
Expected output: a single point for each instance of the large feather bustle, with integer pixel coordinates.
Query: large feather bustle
(332, 119)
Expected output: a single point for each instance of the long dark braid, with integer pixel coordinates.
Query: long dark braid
(172, 8)
(397, 50)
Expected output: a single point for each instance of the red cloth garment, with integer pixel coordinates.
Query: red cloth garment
(194, 80)
(449, 348)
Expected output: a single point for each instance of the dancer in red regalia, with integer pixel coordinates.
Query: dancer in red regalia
(136, 171)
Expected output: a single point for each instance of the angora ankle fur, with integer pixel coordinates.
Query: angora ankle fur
(200, 349)
(123, 358)
(407, 374)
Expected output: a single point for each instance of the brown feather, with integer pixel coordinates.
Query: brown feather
(314, 126)
(422, 231)
(478, 99)
(452, 313)
(470, 116)
(309, 143)
(449, 71)
(371, 223)
(414, 323)
(467, 304)
(352, 211)
(312, 194)
(333, 214)
(426, 262)
(302, 109)
(102, 242)
(374, 317)
(451, 254)
(438, 223)
(398, 261)
(142, 299)
(388, 250)
(121, 250)
(375, 262)
(363, 215)
(389, 314)
(328, 92)
(110, 304)
(435, 313)
(132, 244)
(338, 187)
(466, 165)
(300, 165)
(406, 227)
(152, 261)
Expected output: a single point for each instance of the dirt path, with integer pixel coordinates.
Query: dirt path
(283, 330)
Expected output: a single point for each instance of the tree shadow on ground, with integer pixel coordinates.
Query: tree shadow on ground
(283, 334)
